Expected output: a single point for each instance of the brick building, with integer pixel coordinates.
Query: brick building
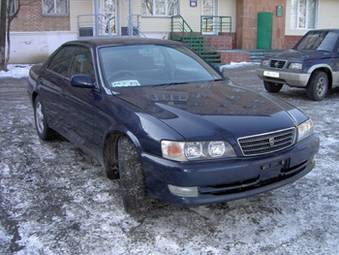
(42, 25)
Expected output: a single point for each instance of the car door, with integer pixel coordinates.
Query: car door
(53, 80)
(80, 101)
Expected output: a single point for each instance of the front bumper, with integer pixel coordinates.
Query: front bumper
(225, 180)
(289, 78)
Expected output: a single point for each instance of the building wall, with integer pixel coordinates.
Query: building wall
(35, 47)
(228, 8)
(328, 17)
(80, 7)
(34, 36)
(247, 22)
(162, 25)
(30, 18)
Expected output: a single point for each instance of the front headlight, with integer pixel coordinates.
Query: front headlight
(184, 151)
(295, 66)
(305, 129)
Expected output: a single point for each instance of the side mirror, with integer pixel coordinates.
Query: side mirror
(82, 81)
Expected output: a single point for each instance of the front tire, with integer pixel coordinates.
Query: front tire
(272, 87)
(41, 125)
(318, 86)
(131, 173)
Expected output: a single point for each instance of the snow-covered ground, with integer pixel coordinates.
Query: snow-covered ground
(236, 65)
(55, 200)
(16, 71)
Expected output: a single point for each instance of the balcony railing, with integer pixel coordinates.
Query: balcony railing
(215, 24)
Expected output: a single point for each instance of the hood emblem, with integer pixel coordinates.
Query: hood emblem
(271, 141)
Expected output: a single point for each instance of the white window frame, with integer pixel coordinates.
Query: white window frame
(158, 15)
(306, 15)
(55, 14)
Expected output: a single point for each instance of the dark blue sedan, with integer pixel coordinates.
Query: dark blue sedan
(167, 124)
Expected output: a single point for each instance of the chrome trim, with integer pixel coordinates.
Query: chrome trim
(268, 133)
(100, 76)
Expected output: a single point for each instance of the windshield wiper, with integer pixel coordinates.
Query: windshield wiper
(185, 82)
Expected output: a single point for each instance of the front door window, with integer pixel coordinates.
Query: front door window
(107, 17)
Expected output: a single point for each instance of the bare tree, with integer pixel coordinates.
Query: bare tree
(10, 18)
(3, 22)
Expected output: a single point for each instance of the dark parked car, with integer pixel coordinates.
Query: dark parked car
(312, 64)
(167, 124)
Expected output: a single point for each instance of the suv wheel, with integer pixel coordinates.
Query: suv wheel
(44, 132)
(131, 173)
(318, 86)
(272, 87)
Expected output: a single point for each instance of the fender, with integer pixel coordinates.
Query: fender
(317, 66)
(123, 131)
(334, 75)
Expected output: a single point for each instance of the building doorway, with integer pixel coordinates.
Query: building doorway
(107, 18)
(209, 21)
(264, 30)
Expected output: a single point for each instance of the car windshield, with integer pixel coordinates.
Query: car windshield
(150, 65)
(318, 40)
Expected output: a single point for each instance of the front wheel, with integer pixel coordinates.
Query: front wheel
(44, 132)
(272, 87)
(318, 86)
(131, 174)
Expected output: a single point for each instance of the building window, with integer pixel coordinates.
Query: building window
(304, 13)
(160, 7)
(55, 7)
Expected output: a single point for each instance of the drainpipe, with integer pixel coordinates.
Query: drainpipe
(130, 18)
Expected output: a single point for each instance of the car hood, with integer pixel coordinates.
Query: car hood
(211, 110)
(296, 55)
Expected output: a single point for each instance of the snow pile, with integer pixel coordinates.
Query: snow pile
(16, 71)
(235, 65)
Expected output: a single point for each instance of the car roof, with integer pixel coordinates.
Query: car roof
(126, 40)
(325, 30)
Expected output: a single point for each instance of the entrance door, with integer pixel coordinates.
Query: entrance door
(107, 18)
(209, 22)
(264, 30)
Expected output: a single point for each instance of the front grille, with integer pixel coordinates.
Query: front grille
(250, 184)
(279, 64)
(267, 143)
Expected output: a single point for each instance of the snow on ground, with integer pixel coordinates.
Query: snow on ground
(235, 65)
(54, 199)
(16, 71)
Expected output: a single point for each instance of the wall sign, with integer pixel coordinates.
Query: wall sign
(193, 3)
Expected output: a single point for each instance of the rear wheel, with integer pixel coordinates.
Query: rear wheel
(131, 173)
(318, 86)
(272, 87)
(44, 132)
